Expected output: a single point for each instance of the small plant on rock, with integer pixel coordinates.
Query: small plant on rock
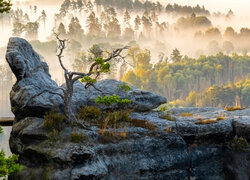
(220, 118)
(186, 114)
(206, 121)
(1, 129)
(109, 100)
(235, 108)
(240, 144)
(53, 135)
(115, 119)
(125, 87)
(54, 121)
(77, 137)
(89, 113)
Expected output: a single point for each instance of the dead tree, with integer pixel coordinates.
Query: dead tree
(98, 67)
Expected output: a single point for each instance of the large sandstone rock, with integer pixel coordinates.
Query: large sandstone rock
(33, 78)
(143, 154)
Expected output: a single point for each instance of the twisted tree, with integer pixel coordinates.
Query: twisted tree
(99, 66)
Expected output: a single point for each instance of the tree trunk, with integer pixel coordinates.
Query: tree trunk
(68, 102)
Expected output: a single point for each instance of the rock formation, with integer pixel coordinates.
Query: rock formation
(160, 145)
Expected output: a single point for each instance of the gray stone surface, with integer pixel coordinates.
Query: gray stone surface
(242, 126)
(32, 78)
(141, 100)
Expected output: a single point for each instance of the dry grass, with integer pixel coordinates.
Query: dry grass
(207, 121)
(111, 137)
(89, 114)
(236, 108)
(123, 135)
(186, 114)
(143, 124)
(168, 130)
(220, 118)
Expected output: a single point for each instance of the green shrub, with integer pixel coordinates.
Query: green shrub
(109, 100)
(77, 137)
(8, 165)
(89, 112)
(1, 129)
(163, 108)
(54, 120)
(125, 87)
(240, 144)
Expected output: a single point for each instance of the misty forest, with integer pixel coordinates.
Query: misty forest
(124, 89)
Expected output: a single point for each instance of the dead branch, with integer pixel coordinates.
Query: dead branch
(61, 47)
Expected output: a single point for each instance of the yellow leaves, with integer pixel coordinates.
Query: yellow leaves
(218, 67)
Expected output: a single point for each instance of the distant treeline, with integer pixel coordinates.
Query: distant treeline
(152, 6)
(233, 94)
(176, 77)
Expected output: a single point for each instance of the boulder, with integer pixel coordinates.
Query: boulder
(141, 100)
(32, 79)
(35, 92)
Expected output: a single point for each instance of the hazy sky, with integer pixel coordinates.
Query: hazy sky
(240, 7)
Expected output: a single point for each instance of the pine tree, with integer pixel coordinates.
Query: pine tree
(61, 30)
(93, 25)
(75, 29)
(176, 55)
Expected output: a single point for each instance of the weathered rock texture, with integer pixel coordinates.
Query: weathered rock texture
(165, 145)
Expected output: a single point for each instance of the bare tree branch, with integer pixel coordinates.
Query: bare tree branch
(61, 47)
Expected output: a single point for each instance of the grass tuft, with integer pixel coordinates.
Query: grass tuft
(77, 137)
(186, 114)
(240, 144)
(236, 108)
(89, 113)
(207, 121)
(54, 121)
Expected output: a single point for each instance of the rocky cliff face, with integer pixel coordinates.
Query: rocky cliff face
(159, 145)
